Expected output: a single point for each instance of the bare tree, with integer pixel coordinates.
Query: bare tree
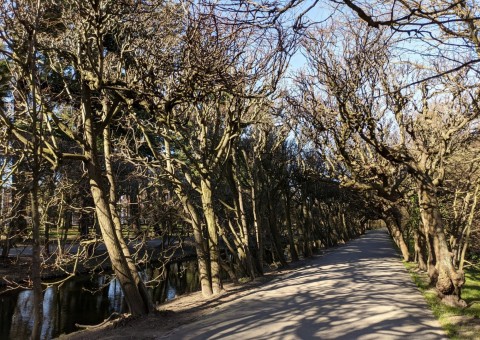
(26, 73)
(227, 69)
(461, 194)
(80, 61)
(425, 124)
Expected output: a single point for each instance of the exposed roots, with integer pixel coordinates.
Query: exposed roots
(115, 317)
(453, 301)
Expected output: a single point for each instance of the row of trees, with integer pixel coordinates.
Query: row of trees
(184, 108)
(171, 102)
(409, 144)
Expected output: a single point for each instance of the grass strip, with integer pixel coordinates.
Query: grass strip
(458, 323)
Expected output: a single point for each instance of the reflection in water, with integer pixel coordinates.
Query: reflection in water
(23, 315)
(48, 316)
(86, 300)
(115, 295)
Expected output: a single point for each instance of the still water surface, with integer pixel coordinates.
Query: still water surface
(86, 300)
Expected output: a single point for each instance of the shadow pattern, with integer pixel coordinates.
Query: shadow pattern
(359, 291)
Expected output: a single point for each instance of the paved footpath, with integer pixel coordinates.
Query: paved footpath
(358, 291)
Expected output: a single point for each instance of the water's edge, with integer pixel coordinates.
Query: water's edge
(87, 300)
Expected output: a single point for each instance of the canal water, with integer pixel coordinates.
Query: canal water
(87, 300)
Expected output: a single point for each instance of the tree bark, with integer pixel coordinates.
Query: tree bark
(245, 247)
(201, 246)
(257, 224)
(274, 232)
(465, 240)
(116, 220)
(35, 209)
(242, 237)
(419, 240)
(306, 229)
(447, 280)
(119, 263)
(397, 234)
(120, 266)
(288, 216)
(36, 261)
(402, 216)
(213, 247)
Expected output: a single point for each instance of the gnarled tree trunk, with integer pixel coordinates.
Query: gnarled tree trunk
(397, 234)
(419, 243)
(446, 278)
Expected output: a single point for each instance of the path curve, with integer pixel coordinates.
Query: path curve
(358, 291)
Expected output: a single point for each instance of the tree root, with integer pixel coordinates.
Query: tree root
(114, 316)
(453, 301)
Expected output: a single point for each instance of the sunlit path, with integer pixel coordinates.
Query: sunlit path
(359, 291)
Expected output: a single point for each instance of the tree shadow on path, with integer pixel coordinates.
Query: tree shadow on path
(359, 291)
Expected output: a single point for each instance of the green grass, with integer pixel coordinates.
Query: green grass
(469, 326)
(471, 292)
